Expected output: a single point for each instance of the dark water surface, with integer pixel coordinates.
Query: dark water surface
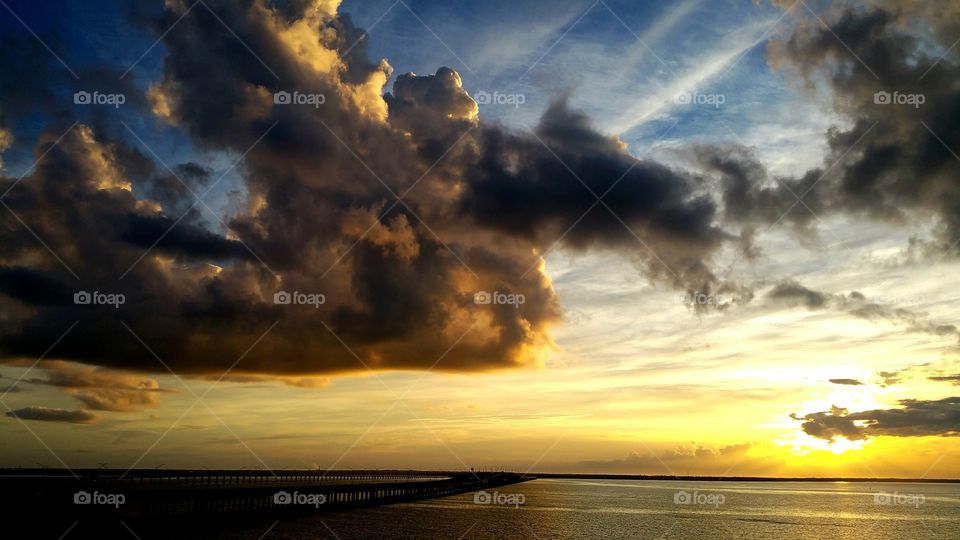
(642, 509)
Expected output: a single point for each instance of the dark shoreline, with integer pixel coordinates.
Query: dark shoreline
(32, 471)
(587, 476)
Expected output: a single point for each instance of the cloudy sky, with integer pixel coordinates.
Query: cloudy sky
(678, 237)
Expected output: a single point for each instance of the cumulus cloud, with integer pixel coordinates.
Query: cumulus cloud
(48, 414)
(480, 206)
(914, 418)
(397, 297)
(399, 207)
(431, 107)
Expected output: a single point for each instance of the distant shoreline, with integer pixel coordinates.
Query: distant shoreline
(577, 476)
(33, 471)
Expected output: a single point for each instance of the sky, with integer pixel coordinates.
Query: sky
(617, 237)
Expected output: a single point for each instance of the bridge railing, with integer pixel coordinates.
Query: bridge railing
(153, 478)
(167, 493)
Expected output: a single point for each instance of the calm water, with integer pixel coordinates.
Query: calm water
(647, 509)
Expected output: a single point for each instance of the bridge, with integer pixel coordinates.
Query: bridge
(143, 494)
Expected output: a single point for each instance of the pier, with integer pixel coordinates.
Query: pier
(143, 494)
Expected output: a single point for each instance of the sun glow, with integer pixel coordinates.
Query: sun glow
(802, 444)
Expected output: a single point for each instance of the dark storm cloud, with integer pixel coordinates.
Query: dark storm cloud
(481, 204)
(896, 159)
(523, 187)
(749, 196)
(319, 215)
(914, 418)
(165, 234)
(34, 287)
(533, 187)
(536, 186)
(48, 414)
(172, 189)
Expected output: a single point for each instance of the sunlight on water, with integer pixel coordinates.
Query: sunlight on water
(652, 509)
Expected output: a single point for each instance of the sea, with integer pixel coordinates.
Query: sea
(558, 508)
